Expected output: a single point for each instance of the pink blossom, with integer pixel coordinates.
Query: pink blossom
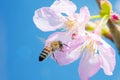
(51, 18)
(95, 53)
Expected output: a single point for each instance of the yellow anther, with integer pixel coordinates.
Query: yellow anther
(69, 23)
(90, 46)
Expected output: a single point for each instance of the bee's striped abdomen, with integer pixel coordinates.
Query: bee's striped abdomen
(44, 54)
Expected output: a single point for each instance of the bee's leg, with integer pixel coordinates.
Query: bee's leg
(53, 55)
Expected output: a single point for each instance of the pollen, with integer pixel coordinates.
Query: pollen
(90, 47)
(69, 23)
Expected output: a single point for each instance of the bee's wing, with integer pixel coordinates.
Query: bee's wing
(42, 39)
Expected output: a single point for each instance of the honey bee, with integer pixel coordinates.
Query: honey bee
(54, 46)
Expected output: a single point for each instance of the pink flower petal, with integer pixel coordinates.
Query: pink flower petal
(106, 53)
(82, 19)
(64, 6)
(84, 15)
(89, 65)
(68, 55)
(47, 20)
(65, 37)
(107, 57)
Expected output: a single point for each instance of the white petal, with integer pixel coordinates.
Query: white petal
(82, 19)
(84, 15)
(64, 6)
(47, 20)
(106, 53)
(107, 56)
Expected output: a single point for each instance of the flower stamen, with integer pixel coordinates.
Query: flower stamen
(69, 23)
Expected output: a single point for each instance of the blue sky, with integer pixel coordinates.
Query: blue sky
(20, 46)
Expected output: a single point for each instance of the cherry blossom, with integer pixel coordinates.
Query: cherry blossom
(51, 18)
(93, 51)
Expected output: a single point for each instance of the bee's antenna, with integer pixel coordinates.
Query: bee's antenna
(66, 45)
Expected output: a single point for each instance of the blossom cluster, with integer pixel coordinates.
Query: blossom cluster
(94, 52)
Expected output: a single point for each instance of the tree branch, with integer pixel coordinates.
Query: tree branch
(115, 30)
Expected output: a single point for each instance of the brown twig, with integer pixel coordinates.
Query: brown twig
(98, 2)
(115, 30)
